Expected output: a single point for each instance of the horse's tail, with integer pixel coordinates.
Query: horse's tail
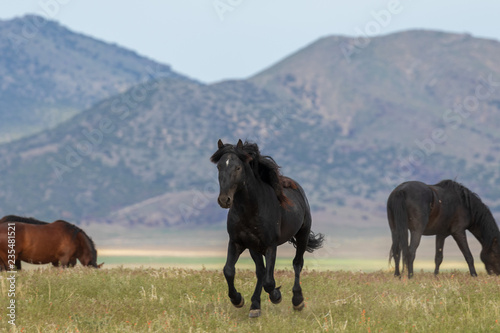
(396, 209)
(314, 242)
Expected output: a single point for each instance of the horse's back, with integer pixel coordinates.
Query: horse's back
(15, 218)
(42, 243)
(412, 201)
(410, 187)
(413, 193)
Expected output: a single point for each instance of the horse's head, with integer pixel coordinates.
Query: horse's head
(232, 172)
(490, 255)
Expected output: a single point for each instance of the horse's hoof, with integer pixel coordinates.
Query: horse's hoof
(254, 313)
(300, 306)
(277, 301)
(241, 303)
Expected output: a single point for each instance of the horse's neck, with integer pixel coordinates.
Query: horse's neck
(252, 196)
(84, 244)
(485, 234)
(249, 194)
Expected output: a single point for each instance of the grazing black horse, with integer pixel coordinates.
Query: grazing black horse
(447, 208)
(266, 209)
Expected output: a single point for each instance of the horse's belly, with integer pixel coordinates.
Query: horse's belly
(436, 227)
(35, 259)
(251, 241)
(42, 255)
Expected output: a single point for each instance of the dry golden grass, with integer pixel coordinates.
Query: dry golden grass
(185, 300)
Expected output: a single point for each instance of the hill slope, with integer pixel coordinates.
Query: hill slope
(413, 105)
(50, 73)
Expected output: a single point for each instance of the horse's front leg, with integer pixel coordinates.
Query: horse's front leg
(233, 253)
(260, 271)
(461, 240)
(269, 283)
(72, 262)
(64, 261)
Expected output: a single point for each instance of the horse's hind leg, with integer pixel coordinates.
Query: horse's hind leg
(396, 254)
(233, 253)
(260, 270)
(302, 238)
(3, 266)
(414, 242)
(439, 252)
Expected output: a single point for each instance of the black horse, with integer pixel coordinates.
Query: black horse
(447, 208)
(266, 209)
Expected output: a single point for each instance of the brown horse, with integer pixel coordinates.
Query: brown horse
(60, 243)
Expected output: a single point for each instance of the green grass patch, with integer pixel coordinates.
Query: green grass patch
(186, 300)
(245, 262)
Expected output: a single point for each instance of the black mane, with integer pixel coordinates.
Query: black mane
(263, 167)
(480, 213)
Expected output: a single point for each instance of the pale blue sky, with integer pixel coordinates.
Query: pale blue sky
(212, 40)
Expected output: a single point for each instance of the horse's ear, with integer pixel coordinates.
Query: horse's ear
(220, 144)
(100, 265)
(239, 145)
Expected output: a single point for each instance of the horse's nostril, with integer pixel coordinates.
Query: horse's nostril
(224, 201)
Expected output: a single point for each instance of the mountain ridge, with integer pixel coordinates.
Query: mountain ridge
(347, 131)
(50, 73)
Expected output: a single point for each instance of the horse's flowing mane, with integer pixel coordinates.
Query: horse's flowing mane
(480, 213)
(263, 167)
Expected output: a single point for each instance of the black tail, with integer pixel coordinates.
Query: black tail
(314, 242)
(396, 206)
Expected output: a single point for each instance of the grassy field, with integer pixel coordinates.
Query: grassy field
(245, 262)
(186, 300)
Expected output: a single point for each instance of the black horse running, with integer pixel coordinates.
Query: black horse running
(266, 209)
(447, 208)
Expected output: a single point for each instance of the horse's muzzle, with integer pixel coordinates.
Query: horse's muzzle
(224, 201)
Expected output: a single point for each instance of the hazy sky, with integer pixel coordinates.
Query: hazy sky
(212, 40)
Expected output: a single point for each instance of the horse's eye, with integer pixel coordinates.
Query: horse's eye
(238, 168)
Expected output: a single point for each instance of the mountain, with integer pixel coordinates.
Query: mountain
(126, 150)
(50, 73)
(425, 102)
(348, 121)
